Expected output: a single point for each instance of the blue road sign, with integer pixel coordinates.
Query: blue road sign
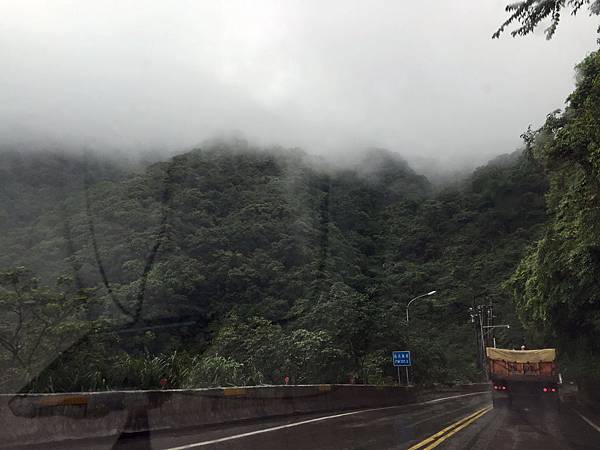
(401, 358)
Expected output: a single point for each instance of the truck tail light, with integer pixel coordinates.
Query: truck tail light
(545, 389)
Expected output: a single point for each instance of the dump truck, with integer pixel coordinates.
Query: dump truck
(524, 379)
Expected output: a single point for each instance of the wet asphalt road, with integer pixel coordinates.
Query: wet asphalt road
(401, 427)
(538, 428)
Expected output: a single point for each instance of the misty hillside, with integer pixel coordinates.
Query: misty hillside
(230, 237)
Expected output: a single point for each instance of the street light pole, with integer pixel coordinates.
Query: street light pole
(407, 320)
(416, 298)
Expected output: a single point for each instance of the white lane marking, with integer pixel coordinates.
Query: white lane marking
(318, 419)
(589, 422)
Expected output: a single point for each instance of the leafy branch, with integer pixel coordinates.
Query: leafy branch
(530, 13)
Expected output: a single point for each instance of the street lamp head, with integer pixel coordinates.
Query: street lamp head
(431, 293)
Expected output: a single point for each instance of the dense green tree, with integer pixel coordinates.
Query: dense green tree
(37, 323)
(556, 287)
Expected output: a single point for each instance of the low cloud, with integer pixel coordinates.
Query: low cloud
(426, 80)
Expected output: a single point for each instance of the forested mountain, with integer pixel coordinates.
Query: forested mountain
(231, 264)
(33, 215)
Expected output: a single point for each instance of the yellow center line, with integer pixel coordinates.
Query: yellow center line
(451, 429)
(456, 430)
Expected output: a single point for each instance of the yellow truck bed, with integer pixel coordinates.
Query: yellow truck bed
(522, 365)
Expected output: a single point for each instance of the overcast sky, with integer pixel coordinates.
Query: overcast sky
(421, 77)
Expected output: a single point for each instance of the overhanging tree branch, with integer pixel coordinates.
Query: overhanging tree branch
(530, 13)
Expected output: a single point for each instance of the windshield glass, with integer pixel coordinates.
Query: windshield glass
(260, 224)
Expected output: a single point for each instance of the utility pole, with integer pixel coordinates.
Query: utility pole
(478, 315)
(474, 316)
(481, 317)
(490, 317)
(482, 336)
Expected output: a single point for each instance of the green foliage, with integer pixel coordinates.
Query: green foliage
(213, 371)
(255, 343)
(36, 323)
(347, 316)
(530, 13)
(266, 353)
(312, 357)
(232, 265)
(556, 286)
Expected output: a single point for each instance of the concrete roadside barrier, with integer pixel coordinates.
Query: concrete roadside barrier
(41, 418)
